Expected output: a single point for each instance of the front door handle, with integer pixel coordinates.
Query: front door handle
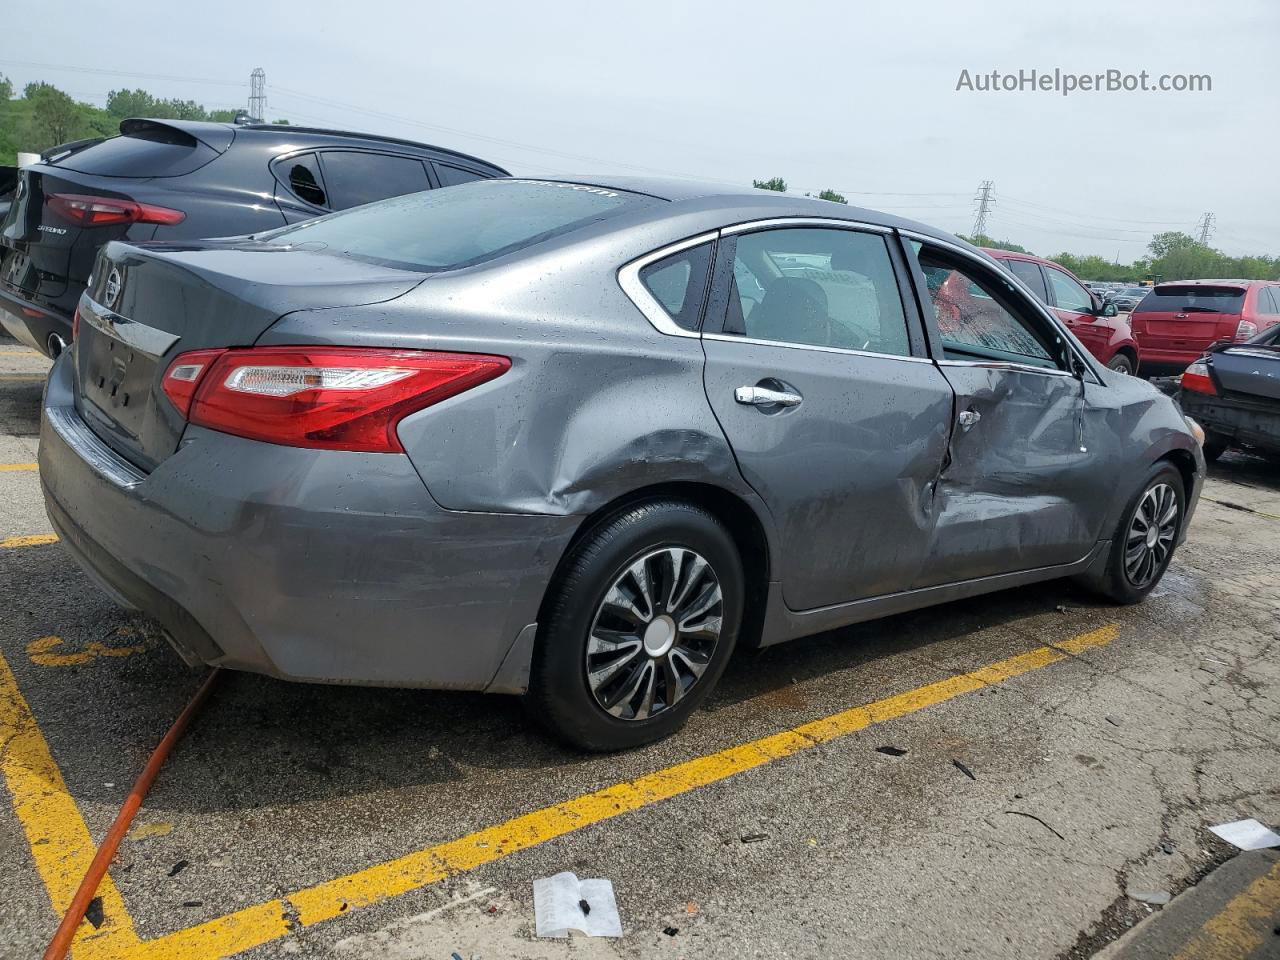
(764, 397)
(968, 418)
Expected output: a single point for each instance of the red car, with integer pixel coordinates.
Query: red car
(1098, 326)
(1177, 322)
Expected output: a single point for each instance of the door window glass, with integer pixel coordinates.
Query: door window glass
(452, 176)
(1268, 301)
(679, 283)
(973, 320)
(1029, 273)
(820, 287)
(355, 177)
(1068, 294)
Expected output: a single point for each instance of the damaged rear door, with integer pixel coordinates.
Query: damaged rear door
(817, 373)
(1020, 488)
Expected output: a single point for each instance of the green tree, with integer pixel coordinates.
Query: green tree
(55, 118)
(1163, 244)
(6, 88)
(831, 195)
(773, 183)
(982, 240)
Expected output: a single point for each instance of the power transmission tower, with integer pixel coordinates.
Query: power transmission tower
(985, 200)
(258, 94)
(1206, 229)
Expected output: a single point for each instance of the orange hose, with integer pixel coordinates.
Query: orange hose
(66, 931)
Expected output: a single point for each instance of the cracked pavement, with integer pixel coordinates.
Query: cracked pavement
(1096, 777)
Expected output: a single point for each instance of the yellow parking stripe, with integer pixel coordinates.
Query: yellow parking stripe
(254, 926)
(1240, 927)
(35, 540)
(60, 843)
(17, 467)
(21, 353)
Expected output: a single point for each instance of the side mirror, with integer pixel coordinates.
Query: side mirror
(1108, 309)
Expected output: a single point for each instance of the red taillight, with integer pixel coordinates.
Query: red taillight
(89, 211)
(184, 375)
(1196, 379)
(332, 398)
(1245, 330)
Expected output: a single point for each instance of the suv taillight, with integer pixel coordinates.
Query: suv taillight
(329, 398)
(87, 211)
(1196, 378)
(1245, 330)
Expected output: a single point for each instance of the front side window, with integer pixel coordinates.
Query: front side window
(679, 283)
(819, 287)
(976, 316)
(1068, 294)
(357, 177)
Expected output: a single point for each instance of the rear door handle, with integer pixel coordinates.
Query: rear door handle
(968, 418)
(764, 397)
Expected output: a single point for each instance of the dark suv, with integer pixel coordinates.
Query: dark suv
(175, 180)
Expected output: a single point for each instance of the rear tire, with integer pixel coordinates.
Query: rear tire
(626, 651)
(1121, 363)
(1215, 445)
(1138, 558)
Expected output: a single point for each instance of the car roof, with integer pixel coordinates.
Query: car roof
(1234, 282)
(221, 134)
(710, 195)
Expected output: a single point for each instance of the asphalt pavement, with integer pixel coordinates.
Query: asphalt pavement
(1006, 777)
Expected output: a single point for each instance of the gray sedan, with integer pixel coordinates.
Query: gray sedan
(578, 440)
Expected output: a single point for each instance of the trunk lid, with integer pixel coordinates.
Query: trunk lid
(146, 305)
(1187, 316)
(35, 245)
(1248, 371)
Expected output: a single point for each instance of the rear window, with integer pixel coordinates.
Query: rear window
(449, 229)
(1192, 299)
(157, 152)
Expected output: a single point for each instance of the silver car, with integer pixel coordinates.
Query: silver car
(578, 440)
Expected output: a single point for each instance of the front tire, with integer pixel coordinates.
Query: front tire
(1143, 543)
(638, 627)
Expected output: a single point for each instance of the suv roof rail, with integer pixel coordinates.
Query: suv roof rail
(279, 127)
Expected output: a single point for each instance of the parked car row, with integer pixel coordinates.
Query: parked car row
(179, 180)
(1234, 391)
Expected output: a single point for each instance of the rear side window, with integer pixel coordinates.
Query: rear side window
(1029, 273)
(1192, 298)
(302, 174)
(679, 283)
(357, 177)
(158, 152)
(452, 176)
(1268, 301)
(448, 229)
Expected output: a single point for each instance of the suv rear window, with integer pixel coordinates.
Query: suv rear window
(1192, 298)
(463, 226)
(158, 151)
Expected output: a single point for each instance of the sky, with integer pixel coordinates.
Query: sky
(857, 97)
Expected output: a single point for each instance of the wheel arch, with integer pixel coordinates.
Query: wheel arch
(743, 520)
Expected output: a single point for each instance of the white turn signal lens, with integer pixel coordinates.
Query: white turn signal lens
(1197, 431)
(286, 381)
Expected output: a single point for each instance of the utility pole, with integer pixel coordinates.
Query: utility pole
(985, 200)
(1206, 229)
(258, 94)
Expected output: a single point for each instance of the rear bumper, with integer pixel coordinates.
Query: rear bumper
(300, 564)
(31, 324)
(1239, 421)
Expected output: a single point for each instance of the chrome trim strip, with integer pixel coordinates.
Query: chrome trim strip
(1005, 365)
(1048, 314)
(805, 222)
(100, 458)
(150, 340)
(733, 338)
(646, 303)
